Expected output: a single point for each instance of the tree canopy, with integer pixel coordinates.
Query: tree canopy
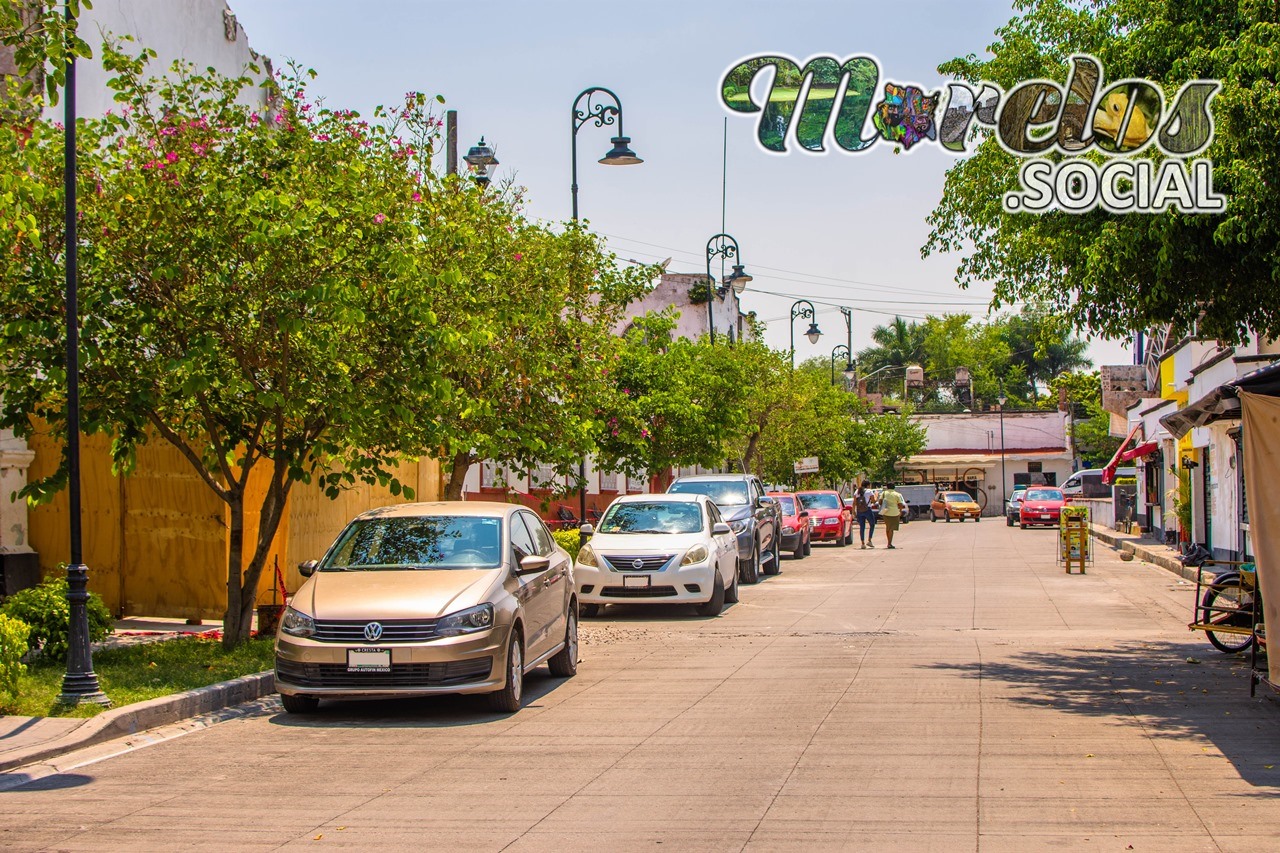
(1117, 274)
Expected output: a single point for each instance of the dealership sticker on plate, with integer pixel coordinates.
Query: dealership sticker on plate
(368, 660)
(635, 580)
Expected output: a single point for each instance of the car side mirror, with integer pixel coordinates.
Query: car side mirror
(533, 564)
(765, 501)
(720, 527)
(308, 568)
(586, 529)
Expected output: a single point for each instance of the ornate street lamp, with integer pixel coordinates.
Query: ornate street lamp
(483, 163)
(842, 351)
(803, 309)
(606, 111)
(80, 683)
(723, 246)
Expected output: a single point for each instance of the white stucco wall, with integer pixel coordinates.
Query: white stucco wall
(673, 290)
(981, 431)
(192, 30)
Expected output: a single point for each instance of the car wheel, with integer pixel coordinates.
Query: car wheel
(299, 704)
(947, 516)
(977, 518)
(509, 698)
(564, 663)
(1008, 521)
(1022, 525)
(749, 571)
(716, 604)
(731, 594)
(589, 611)
(932, 516)
(775, 565)
(808, 546)
(799, 552)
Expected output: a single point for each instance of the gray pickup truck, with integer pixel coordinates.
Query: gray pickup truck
(754, 517)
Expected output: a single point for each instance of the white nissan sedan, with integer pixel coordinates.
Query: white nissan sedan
(660, 549)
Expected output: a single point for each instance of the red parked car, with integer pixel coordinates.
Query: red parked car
(795, 524)
(1042, 506)
(829, 519)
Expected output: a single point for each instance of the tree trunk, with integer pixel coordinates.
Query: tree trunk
(462, 462)
(749, 455)
(234, 624)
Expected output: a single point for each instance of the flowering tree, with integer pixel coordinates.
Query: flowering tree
(251, 290)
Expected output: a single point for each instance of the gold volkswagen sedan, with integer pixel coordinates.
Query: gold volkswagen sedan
(418, 599)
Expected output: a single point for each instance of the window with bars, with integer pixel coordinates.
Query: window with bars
(608, 481)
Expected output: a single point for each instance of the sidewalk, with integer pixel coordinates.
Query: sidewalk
(27, 739)
(1145, 549)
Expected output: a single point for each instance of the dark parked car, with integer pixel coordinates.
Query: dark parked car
(753, 516)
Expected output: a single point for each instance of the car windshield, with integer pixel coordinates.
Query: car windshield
(652, 517)
(820, 501)
(1044, 495)
(787, 505)
(721, 492)
(417, 542)
(959, 497)
(1017, 493)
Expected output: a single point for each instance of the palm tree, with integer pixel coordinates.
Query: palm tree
(897, 345)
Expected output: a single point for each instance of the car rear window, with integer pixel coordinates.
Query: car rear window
(1044, 495)
(417, 542)
(652, 517)
(788, 505)
(820, 501)
(722, 492)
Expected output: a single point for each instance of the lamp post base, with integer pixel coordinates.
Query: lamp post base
(82, 689)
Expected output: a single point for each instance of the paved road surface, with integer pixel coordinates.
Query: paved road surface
(960, 693)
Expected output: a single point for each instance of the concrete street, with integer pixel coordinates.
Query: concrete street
(960, 693)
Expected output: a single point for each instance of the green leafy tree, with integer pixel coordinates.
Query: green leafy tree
(42, 37)
(250, 292)
(1090, 423)
(899, 344)
(884, 441)
(1120, 273)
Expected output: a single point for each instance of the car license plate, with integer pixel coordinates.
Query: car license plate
(368, 660)
(635, 580)
(1045, 515)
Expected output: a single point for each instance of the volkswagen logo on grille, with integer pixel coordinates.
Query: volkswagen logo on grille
(372, 631)
(637, 563)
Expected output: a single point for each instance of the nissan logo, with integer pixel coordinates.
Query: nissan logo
(372, 631)
(637, 563)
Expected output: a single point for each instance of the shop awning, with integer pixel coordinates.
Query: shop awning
(1144, 449)
(1109, 472)
(1223, 402)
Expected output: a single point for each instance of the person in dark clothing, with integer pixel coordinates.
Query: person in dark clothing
(863, 506)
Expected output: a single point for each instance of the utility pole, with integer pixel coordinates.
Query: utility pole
(451, 141)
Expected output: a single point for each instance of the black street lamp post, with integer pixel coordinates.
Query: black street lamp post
(80, 684)
(723, 246)
(482, 162)
(803, 309)
(604, 112)
(842, 351)
(1004, 496)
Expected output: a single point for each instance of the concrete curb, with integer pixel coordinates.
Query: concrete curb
(140, 716)
(1126, 546)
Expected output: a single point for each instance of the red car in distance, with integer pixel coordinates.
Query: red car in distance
(1040, 505)
(796, 537)
(829, 519)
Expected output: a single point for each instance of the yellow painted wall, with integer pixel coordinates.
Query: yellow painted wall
(156, 543)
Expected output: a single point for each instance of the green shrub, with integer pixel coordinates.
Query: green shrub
(569, 540)
(48, 614)
(1126, 481)
(13, 645)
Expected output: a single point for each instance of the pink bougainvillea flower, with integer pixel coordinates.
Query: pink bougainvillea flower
(519, 256)
(172, 156)
(254, 119)
(168, 131)
(379, 218)
(644, 433)
(197, 149)
(322, 137)
(416, 196)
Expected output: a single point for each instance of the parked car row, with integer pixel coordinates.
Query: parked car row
(469, 596)
(1034, 506)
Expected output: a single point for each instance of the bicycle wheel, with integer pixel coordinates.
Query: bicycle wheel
(1227, 604)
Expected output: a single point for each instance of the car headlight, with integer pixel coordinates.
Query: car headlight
(467, 621)
(832, 521)
(738, 526)
(788, 530)
(696, 554)
(587, 557)
(297, 624)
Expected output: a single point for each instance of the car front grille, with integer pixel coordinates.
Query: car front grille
(637, 591)
(401, 675)
(648, 562)
(393, 630)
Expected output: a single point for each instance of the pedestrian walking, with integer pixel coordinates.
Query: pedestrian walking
(891, 505)
(862, 501)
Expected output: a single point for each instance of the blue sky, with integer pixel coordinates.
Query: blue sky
(837, 228)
